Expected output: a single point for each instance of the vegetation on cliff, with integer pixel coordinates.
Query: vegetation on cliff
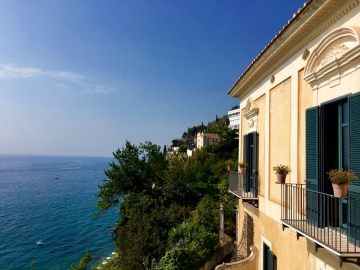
(164, 222)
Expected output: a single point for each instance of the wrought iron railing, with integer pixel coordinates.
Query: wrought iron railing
(245, 186)
(328, 221)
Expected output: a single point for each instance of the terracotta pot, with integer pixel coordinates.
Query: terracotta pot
(340, 190)
(242, 170)
(229, 168)
(281, 178)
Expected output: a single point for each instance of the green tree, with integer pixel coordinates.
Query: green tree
(144, 234)
(164, 150)
(227, 148)
(83, 262)
(138, 168)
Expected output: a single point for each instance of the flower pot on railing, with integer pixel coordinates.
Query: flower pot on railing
(281, 172)
(229, 164)
(242, 170)
(340, 190)
(242, 167)
(341, 179)
(281, 178)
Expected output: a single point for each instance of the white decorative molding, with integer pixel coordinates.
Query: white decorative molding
(334, 51)
(246, 78)
(251, 114)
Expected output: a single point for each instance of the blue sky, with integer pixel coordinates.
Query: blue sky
(81, 77)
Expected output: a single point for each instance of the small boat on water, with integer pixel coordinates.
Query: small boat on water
(106, 179)
(39, 243)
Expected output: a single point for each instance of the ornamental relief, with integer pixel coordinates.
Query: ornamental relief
(334, 53)
(251, 114)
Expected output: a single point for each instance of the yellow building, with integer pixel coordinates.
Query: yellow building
(206, 139)
(300, 107)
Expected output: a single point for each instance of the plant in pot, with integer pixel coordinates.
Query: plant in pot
(340, 181)
(229, 164)
(242, 166)
(281, 171)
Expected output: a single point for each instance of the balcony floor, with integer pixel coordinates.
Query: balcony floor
(244, 195)
(328, 238)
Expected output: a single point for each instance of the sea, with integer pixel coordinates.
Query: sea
(52, 199)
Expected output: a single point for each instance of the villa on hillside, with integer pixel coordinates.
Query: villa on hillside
(300, 107)
(206, 139)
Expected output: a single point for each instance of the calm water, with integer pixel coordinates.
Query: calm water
(36, 206)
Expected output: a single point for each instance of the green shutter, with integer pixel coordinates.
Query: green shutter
(354, 165)
(254, 161)
(269, 258)
(312, 141)
(245, 146)
(246, 177)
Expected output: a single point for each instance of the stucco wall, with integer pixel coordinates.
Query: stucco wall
(260, 103)
(304, 102)
(279, 115)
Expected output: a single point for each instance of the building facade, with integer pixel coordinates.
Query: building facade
(206, 139)
(234, 116)
(300, 107)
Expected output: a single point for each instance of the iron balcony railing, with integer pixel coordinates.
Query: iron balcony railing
(330, 222)
(244, 186)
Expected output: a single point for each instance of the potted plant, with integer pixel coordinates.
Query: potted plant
(281, 171)
(340, 181)
(229, 163)
(242, 166)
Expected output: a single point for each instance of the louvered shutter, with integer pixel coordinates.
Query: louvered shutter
(246, 177)
(312, 142)
(254, 162)
(354, 165)
(269, 258)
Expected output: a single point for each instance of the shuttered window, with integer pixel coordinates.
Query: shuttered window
(269, 259)
(327, 149)
(354, 165)
(250, 156)
(312, 142)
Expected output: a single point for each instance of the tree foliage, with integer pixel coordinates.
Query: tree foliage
(83, 262)
(136, 170)
(158, 207)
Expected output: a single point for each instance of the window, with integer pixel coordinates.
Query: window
(333, 142)
(251, 158)
(269, 259)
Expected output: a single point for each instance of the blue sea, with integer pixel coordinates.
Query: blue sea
(34, 205)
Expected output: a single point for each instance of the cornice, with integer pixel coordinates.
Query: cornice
(252, 76)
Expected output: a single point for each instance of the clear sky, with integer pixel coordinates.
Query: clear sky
(81, 77)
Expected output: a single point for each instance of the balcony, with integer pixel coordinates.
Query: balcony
(244, 186)
(328, 222)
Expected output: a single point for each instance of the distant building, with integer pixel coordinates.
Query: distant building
(234, 119)
(206, 139)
